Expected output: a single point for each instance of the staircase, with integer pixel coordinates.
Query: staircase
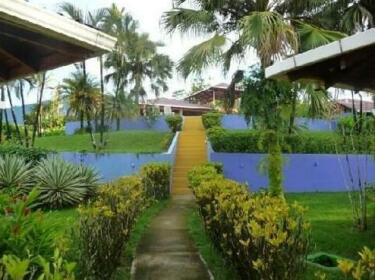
(191, 151)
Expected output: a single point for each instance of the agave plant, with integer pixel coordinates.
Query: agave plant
(15, 173)
(91, 178)
(62, 184)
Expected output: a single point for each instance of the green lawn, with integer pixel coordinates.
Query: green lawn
(331, 231)
(117, 142)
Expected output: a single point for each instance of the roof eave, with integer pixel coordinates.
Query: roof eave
(31, 16)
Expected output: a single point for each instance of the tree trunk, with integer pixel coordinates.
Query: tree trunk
(9, 133)
(18, 132)
(26, 131)
(81, 119)
(1, 114)
(102, 113)
(92, 136)
(35, 125)
(293, 113)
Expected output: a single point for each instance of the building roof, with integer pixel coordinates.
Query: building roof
(174, 103)
(348, 63)
(34, 40)
(367, 106)
(205, 95)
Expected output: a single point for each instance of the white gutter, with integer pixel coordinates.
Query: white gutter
(326, 52)
(34, 18)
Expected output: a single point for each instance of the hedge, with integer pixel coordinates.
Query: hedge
(29, 154)
(249, 141)
(261, 236)
(174, 123)
(211, 120)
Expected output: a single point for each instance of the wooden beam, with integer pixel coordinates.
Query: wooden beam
(20, 53)
(20, 34)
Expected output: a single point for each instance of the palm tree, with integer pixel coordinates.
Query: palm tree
(9, 88)
(135, 60)
(40, 81)
(272, 28)
(83, 95)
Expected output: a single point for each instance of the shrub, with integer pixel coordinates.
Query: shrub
(22, 232)
(262, 236)
(105, 226)
(174, 123)
(62, 184)
(156, 180)
(15, 174)
(211, 120)
(29, 154)
(364, 269)
(249, 141)
(347, 126)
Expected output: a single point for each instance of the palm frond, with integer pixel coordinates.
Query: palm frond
(357, 18)
(72, 11)
(189, 21)
(202, 55)
(269, 34)
(311, 36)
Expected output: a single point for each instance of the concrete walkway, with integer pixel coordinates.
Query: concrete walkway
(166, 252)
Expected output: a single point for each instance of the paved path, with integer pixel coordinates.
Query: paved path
(166, 252)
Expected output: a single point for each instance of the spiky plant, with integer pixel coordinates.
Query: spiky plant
(61, 184)
(91, 178)
(15, 173)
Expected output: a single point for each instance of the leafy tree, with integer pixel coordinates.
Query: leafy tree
(83, 95)
(272, 29)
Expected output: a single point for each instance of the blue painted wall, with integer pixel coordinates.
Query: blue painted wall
(112, 166)
(238, 122)
(302, 172)
(126, 124)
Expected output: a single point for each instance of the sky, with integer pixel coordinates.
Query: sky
(148, 13)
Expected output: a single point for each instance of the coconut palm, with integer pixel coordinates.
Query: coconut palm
(83, 95)
(10, 87)
(273, 29)
(135, 61)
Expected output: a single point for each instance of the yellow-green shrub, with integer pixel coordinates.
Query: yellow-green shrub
(364, 269)
(105, 226)
(262, 236)
(156, 180)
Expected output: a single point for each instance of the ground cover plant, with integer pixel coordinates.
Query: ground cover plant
(117, 142)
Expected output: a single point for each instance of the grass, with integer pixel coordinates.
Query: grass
(140, 228)
(117, 142)
(219, 268)
(330, 215)
(332, 231)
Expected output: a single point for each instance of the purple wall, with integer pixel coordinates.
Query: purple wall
(126, 124)
(302, 172)
(238, 122)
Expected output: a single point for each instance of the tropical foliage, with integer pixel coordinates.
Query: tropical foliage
(15, 174)
(261, 235)
(62, 184)
(156, 180)
(174, 123)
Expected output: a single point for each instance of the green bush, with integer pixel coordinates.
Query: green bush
(174, 123)
(211, 120)
(15, 174)
(29, 154)
(347, 126)
(22, 232)
(249, 141)
(262, 236)
(63, 184)
(105, 226)
(156, 180)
